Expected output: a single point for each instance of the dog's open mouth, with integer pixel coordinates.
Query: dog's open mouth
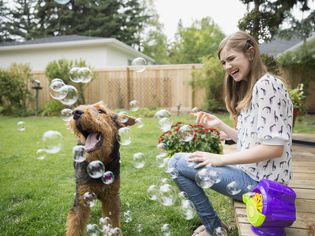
(93, 140)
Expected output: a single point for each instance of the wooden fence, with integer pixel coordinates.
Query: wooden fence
(158, 86)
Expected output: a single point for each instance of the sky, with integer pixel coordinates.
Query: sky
(225, 13)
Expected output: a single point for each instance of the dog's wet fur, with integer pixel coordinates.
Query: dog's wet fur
(96, 126)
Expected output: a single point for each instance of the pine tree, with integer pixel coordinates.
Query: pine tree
(4, 34)
(122, 20)
(21, 20)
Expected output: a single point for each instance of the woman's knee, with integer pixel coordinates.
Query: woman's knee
(178, 161)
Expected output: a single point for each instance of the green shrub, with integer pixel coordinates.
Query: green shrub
(14, 93)
(211, 77)
(52, 108)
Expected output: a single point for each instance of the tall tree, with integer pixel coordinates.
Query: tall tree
(21, 20)
(120, 19)
(4, 11)
(193, 43)
(154, 43)
(266, 16)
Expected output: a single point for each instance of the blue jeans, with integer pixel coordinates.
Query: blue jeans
(186, 182)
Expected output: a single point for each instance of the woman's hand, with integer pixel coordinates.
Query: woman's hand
(208, 120)
(206, 159)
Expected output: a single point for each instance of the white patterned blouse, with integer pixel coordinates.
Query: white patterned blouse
(267, 120)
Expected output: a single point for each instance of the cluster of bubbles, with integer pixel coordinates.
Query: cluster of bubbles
(167, 195)
(104, 227)
(96, 170)
(66, 94)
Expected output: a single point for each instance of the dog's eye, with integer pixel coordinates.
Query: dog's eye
(101, 111)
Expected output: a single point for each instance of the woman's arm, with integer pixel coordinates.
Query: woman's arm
(256, 154)
(211, 121)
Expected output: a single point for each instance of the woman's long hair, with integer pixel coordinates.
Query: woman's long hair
(238, 95)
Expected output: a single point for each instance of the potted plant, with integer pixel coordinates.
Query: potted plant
(298, 98)
(190, 138)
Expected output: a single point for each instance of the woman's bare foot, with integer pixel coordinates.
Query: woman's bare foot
(198, 230)
(202, 233)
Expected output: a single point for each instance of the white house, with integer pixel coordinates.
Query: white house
(97, 52)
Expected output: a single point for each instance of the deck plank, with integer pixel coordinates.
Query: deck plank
(303, 183)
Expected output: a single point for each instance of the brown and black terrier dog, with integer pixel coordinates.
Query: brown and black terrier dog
(97, 127)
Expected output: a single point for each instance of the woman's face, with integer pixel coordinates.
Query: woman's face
(235, 63)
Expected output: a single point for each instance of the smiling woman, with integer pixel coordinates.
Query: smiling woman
(262, 110)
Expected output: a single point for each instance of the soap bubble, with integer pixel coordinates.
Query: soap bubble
(62, 1)
(108, 177)
(95, 169)
(167, 195)
(220, 231)
(160, 159)
(161, 146)
(165, 124)
(115, 232)
(162, 114)
(52, 141)
(214, 176)
(166, 230)
(92, 230)
(182, 195)
(127, 216)
(41, 154)
(195, 110)
(138, 160)
(21, 126)
(78, 153)
(138, 64)
(85, 74)
(56, 89)
(172, 172)
(124, 136)
(74, 74)
(250, 187)
(187, 209)
(133, 106)
(165, 181)
(71, 97)
(139, 123)
(123, 117)
(89, 199)
(233, 188)
(139, 228)
(153, 192)
(186, 133)
(56, 84)
(203, 178)
(105, 221)
(66, 114)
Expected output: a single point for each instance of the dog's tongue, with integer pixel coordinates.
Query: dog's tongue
(91, 141)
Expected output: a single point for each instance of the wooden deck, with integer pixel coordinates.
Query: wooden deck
(303, 183)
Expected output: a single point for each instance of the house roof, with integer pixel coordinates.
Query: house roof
(277, 46)
(67, 41)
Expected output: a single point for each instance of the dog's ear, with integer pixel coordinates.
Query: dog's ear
(130, 120)
(100, 103)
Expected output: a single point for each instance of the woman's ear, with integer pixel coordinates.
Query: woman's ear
(251, 53)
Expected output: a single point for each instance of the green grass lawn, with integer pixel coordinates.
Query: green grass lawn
(35, 195)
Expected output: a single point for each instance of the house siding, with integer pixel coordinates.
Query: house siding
(38, 58)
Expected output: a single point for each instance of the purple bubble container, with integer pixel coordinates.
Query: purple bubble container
(278, 210)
